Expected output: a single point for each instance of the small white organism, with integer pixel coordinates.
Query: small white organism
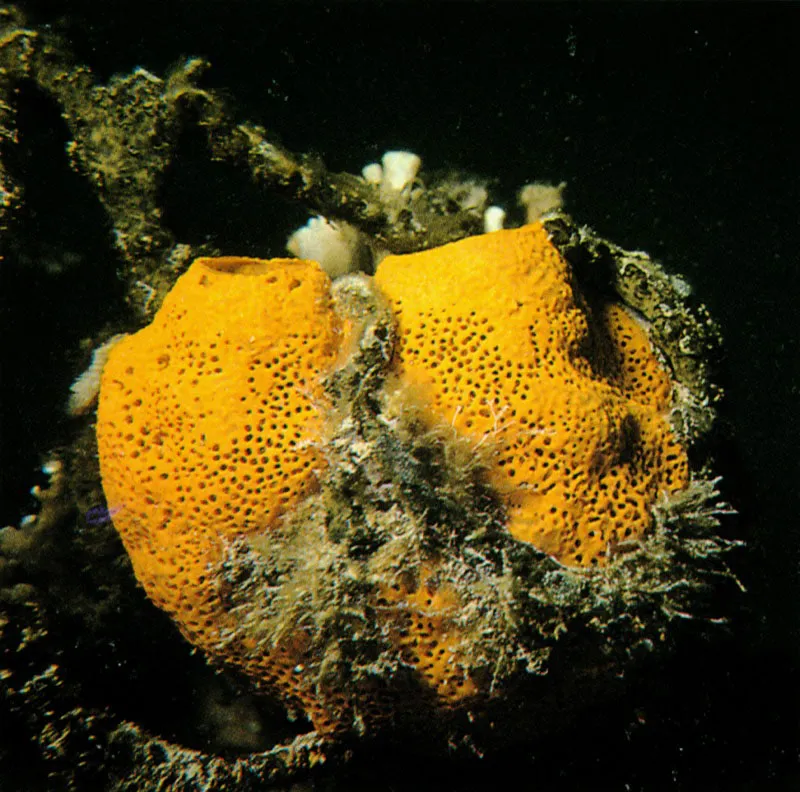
(372, 173)
(83, 392)
(400, 168)
(337, 247)
(493, 218)
(394, 175)
(539, 198)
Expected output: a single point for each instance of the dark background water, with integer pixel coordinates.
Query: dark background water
(676, 128)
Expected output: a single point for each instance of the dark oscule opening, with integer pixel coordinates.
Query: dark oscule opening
(58, 286)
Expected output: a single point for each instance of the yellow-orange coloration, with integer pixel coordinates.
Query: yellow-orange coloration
(204, 428)
(211, 425)
(422, 617)
(572, 400)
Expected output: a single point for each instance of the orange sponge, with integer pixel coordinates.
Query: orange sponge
(572, 400)
(219, 422)
(207, 421)
(420, 615)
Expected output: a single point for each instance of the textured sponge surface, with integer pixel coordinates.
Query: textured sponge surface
(571, 400)
(208, 416)
(217, 422)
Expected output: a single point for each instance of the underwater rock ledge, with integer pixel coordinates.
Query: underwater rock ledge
(463, 510)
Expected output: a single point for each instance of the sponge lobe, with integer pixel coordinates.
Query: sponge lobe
(208, 416)
(571, 400)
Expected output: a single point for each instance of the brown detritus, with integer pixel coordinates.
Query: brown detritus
(430, 217)
(10, 192)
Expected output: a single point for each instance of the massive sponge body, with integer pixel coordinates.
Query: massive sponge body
(209, 425)
(571, 400)
(279, 504)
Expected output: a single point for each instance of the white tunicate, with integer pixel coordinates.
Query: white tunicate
(332, 245)
(372, 173)
(493, 219)
(400, 168)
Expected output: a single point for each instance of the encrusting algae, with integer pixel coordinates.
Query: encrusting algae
(220, 426)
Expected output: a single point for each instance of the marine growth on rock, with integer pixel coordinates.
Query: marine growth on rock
(437, 484)
(338, 488)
